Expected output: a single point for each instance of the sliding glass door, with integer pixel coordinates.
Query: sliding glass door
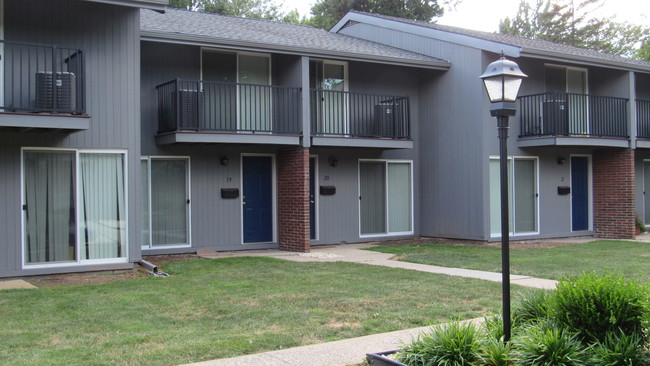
(74, 206)
(385, 198)
(522, 196)
(165, 204)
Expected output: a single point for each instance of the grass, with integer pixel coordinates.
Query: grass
(627, 258)
(227, 307)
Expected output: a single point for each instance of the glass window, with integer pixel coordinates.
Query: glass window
(167, 218)
(102, 206)
(522, 196)
(63, 224)
(385, 197)
(50, 218)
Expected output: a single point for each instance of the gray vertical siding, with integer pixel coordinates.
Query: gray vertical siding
(216, 222)
(449, 135)
(110, 38)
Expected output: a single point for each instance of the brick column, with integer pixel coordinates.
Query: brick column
(614, 204)
(293, 199)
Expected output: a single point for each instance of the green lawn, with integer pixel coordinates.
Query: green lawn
(624, 257)
(226, 307)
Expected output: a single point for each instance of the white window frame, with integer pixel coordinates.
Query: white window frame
(78, 261)
(274, 192)
(188, 192)
(511, 200)
(388, 232)
(590, 184)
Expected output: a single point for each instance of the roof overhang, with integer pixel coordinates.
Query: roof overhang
(509, 50)
(582, 60)
(485, 45)
(158, 5)
(205, 41)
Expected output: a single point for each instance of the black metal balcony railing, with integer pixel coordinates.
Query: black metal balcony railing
(643, 119)
(569, 114)
(42, 78)
(337, 113)
(228, 107)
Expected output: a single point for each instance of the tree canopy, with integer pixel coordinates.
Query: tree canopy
(572, 22)
(260, 9)
(327, 12)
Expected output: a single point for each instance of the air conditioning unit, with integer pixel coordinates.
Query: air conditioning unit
(555, 117)
(191, 108)
(64, 84)
(387, 118)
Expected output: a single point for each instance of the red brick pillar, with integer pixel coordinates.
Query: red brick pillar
(614, 204)
(293, 199)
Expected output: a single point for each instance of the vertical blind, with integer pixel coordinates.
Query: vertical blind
(385, 197)
(522, 196)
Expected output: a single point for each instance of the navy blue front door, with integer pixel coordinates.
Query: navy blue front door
(312, 199)
(579, 193)
(257, 198)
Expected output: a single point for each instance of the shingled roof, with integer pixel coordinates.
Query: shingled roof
(528, 47)
(257, 34)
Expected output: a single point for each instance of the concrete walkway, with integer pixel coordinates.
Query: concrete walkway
(350, 351)
(354, 253)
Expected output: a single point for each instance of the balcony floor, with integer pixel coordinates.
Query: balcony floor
(573, 141)
(225, 138)
(29, 121)
(383, 143)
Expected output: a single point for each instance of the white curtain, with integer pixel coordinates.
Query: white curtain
(102, 206)
(50, 209)
(399, 197)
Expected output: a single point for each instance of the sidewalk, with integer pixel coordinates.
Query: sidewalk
(351, 351)
(354, 253)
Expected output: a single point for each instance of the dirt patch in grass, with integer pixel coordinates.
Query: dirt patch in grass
(87, 278)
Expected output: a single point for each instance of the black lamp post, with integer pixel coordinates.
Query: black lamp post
(502, 80)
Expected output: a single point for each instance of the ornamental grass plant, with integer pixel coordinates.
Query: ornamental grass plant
(589, 320)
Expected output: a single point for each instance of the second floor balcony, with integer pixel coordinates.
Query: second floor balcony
(643, 119)
(202, 111)
(573, 119)
(225, 112)
(40, 81)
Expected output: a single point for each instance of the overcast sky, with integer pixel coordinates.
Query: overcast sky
(485, 14)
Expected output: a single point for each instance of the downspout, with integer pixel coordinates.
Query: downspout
(152, 269)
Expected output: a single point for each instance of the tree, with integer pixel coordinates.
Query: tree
(261, 9)
(571, 22)
(327, 12)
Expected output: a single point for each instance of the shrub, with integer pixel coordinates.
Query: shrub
(494, 352)
(621, 349)
(543, 344)
(531, 306)
(594, 306)
(455, 344)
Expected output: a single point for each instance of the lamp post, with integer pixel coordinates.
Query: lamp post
(502, 80)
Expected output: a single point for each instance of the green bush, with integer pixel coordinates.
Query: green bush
(621, 349)
(530, 306)
(543, 344)
(494, 352)
(594, 306)
(455, 344)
